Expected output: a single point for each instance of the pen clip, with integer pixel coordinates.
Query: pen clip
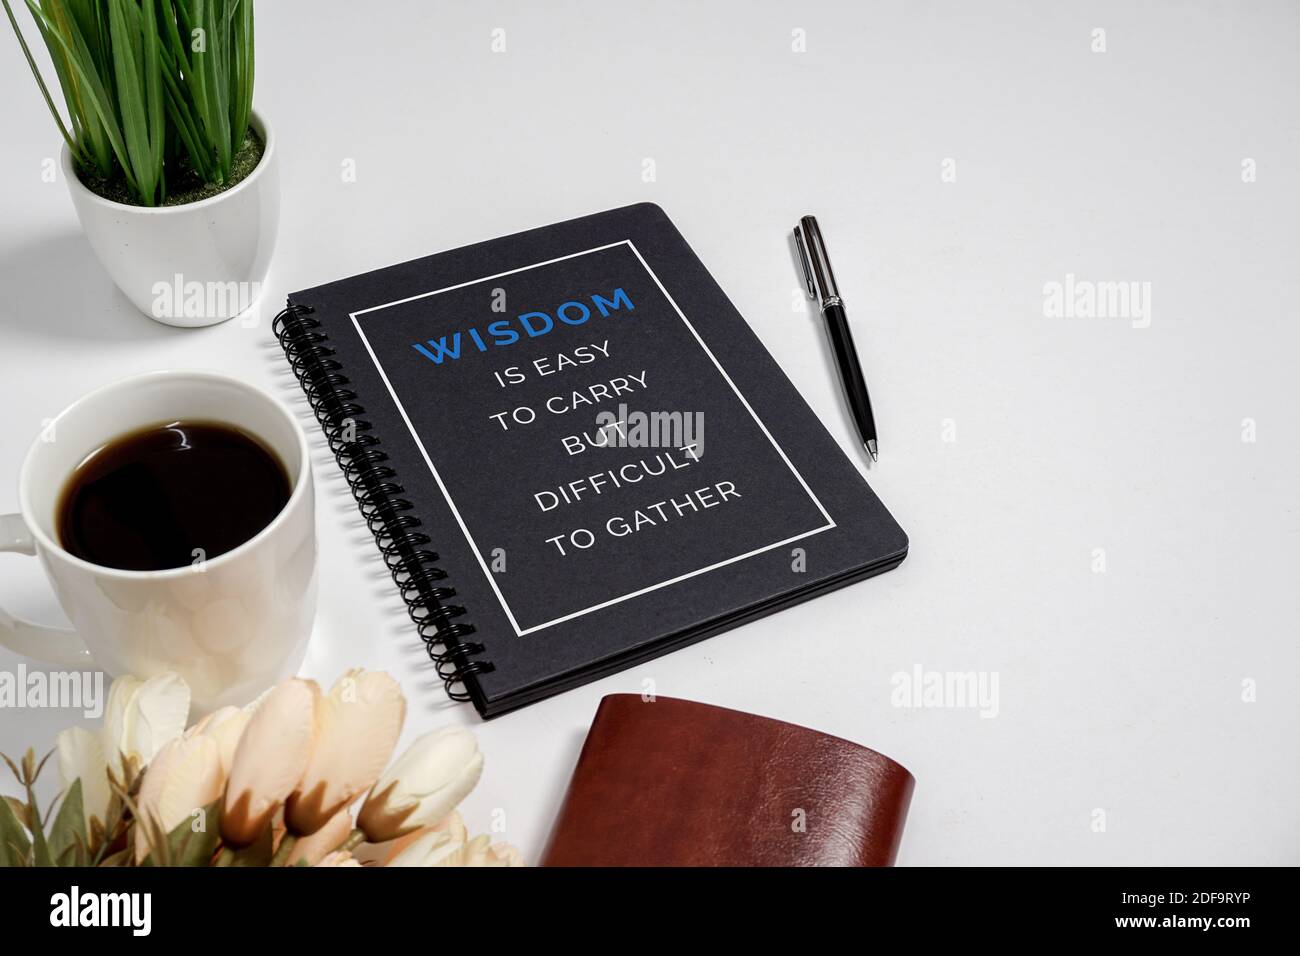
(807, 266)
(816, 262)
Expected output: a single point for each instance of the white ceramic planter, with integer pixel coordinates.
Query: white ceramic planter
(192, 265)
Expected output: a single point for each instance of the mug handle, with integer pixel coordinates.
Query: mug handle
(53, 645)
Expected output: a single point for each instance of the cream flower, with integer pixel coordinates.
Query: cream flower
(81, 757)
(183, 778)
(225, 726)
(314, 848)
(269, 760)
(142, 716)
(423, 785)
(479, 853)
(447, 847)
(383, 853)
(432, 848)
(357, 726)
(338, 858)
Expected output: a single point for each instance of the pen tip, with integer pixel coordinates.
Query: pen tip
(871, 449)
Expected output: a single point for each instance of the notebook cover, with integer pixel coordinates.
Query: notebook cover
(643, 328)
(675, 783)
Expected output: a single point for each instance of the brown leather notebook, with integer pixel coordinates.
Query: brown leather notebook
(675, 783)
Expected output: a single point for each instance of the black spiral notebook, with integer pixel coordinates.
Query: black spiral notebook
(574, 453)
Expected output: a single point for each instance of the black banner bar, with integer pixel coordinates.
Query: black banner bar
(1172, 906)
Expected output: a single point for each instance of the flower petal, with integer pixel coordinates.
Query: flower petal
(270, 758)
(357, 726)
(163, 702)
(81, 757)
(433, 848)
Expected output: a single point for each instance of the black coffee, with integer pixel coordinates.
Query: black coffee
(169, 495)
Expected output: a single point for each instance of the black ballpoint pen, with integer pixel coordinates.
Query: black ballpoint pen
(821, 286)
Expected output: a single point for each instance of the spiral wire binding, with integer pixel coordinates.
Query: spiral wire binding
(404, 547)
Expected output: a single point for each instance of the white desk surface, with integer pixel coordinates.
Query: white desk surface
(1119, 691)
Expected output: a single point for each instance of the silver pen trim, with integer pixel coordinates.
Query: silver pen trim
(803, 260)
(816, 261)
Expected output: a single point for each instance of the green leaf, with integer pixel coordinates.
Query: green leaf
(122, 857)
(178, 79)
(19, 808)
(241, 71)
(40, 848)
(129, 72)
(182, 123)
(40, 81)
(187, 848)
(31, 772)
(214, 89)
(156, 114)
(82, 18)
(68, 841)
(14, 845)
(93, 88)
(142, 104)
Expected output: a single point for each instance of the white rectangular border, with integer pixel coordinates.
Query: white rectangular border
(830, 522)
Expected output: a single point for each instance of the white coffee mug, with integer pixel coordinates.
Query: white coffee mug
(230, 625)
